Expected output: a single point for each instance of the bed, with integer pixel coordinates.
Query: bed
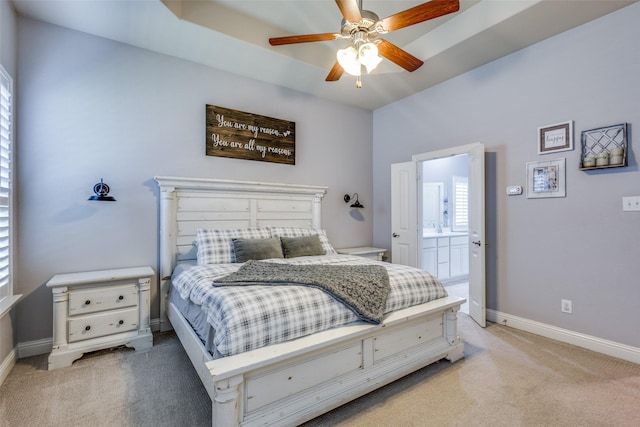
(293, 381)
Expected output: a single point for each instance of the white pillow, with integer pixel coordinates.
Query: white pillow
(300, 232)
(215, 246)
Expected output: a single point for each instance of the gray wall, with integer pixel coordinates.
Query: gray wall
(92, 108)
(582, 247)
(8, 59)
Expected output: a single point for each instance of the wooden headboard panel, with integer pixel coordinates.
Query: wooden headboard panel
(187, 204)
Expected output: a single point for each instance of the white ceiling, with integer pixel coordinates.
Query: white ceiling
(233, 36)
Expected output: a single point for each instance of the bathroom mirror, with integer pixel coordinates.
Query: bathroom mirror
(433, 206)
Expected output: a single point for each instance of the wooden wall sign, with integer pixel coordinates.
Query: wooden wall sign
(240, 135)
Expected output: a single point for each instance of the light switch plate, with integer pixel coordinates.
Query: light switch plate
(631, 203)
(514, 190)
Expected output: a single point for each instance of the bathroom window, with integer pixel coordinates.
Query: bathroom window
(460, 205)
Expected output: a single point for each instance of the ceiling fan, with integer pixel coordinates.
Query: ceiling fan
(362, 27)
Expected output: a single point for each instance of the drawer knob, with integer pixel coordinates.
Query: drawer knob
(121, 322)
(121, 297)
(87, 328)
(87, 302)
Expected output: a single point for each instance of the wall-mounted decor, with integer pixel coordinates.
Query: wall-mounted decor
(604, 147)
(546, 179)
(101, 191)
(554, 138)
(240, 135)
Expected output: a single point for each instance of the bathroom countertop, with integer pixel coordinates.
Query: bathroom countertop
(430, 234)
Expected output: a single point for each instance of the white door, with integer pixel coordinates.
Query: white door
(401, 189)
(477, 243)
(404, 214)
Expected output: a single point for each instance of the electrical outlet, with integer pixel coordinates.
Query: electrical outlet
(566, 306)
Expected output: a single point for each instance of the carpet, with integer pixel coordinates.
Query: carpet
(507, 378)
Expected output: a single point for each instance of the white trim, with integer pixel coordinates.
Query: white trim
(7, 365)
(447, 152)
(154, 324)
(7, 303)
(609, 348)
(34, 348)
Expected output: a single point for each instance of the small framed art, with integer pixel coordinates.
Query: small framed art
(546, 179)
(558, 137)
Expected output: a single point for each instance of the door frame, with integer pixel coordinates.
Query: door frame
(477, 282)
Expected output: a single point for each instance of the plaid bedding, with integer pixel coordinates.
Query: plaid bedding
(248, 317)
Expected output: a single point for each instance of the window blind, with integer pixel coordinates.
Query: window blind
(460, 203)
(6, 137)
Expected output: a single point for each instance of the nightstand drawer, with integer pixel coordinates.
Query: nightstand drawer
(101, 299)
(101, 324)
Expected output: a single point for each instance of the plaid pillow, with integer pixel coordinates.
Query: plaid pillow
(216, 246)
(301, 232)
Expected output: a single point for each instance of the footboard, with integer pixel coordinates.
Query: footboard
(289, 383)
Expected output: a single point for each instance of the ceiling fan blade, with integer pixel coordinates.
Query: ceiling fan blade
(306, 38)
(350, 10)
(398, 56)
(420, 13)
(335, 73)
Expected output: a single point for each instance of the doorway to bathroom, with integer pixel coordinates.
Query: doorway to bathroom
(445, 222)
(449, 239)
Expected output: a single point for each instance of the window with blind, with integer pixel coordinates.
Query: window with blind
(460, 211)
(6, 139)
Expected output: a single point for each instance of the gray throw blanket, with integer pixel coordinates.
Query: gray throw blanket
(363, 288)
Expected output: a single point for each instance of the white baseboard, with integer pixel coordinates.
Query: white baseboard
(610, 348)
(43, 346)
(7, 365)
(34, 348)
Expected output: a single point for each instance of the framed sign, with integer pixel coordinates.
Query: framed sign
(546, 179)
(240, 135)
(554, 138)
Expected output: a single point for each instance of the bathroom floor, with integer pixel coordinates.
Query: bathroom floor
(459, 289)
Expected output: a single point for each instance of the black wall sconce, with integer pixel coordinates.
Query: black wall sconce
(356, 203)
(101, 191)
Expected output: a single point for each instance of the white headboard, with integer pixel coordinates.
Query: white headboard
(187, 204)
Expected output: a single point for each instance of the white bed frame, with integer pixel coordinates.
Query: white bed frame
(295, 381)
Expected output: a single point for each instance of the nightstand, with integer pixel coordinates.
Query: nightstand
(95, 310)
(364, 251)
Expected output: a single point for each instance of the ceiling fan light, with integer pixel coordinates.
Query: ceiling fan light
(348, 60)
(368, 55)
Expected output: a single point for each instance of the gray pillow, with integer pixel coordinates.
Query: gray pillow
(246, 249)
(302, 246)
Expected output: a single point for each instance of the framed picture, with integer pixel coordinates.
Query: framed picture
(546, 179)
(554, 138)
